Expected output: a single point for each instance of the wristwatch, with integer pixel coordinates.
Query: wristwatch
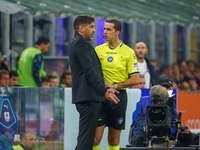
(115, 84)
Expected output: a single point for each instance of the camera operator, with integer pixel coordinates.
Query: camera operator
(162, 93)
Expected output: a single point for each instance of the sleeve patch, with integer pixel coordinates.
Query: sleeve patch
(135, 64)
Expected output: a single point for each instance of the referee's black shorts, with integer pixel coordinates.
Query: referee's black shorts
(113, 115)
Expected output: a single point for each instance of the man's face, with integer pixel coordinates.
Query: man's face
(4, 81)
(141, 83)
(191, 67)
(88, 31)
(168, 71)
(109, 31)
(29, 142)
(140, 50)
(45, 84)
(54, 82)
(68, 80)
(45, 47)
(185, 86)
(193, 84)
(175, 70)
(183, 66)
(13, 81)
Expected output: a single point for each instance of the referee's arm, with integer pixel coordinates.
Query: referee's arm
(133, 80)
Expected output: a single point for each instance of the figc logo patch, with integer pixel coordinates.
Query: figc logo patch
(120, 120)
(110, 59)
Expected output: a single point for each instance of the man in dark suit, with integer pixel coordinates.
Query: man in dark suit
(88, 86)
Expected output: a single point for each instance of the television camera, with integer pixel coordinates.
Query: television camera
(162, 125)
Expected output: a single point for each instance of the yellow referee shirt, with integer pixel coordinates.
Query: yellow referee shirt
(117, 64)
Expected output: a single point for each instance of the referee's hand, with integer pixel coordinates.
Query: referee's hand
(110, 95)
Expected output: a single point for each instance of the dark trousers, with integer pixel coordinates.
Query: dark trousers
(88, 117)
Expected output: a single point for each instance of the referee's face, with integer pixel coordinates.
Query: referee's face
(109, 32)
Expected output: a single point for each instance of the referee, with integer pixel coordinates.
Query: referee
(120, 70)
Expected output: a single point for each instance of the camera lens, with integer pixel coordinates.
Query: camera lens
(157, 115)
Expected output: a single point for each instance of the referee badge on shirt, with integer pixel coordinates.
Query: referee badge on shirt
(135, 64)
(110, 59)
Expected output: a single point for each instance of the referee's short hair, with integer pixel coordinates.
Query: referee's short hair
(117, 24)
(82, 20)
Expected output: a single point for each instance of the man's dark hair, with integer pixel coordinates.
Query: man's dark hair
(52, 77)
(13, 73)
(117, 23)
(45, 79)
(82, 20)
(3, 72)
(42, 39)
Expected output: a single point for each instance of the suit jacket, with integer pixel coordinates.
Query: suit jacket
(87, 76)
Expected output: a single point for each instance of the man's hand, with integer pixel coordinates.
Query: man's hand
(110, 95)
(186, 131)
(109, 85)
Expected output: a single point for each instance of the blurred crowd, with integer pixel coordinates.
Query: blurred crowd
(184, 74)
(29, 69)
(10, 77)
